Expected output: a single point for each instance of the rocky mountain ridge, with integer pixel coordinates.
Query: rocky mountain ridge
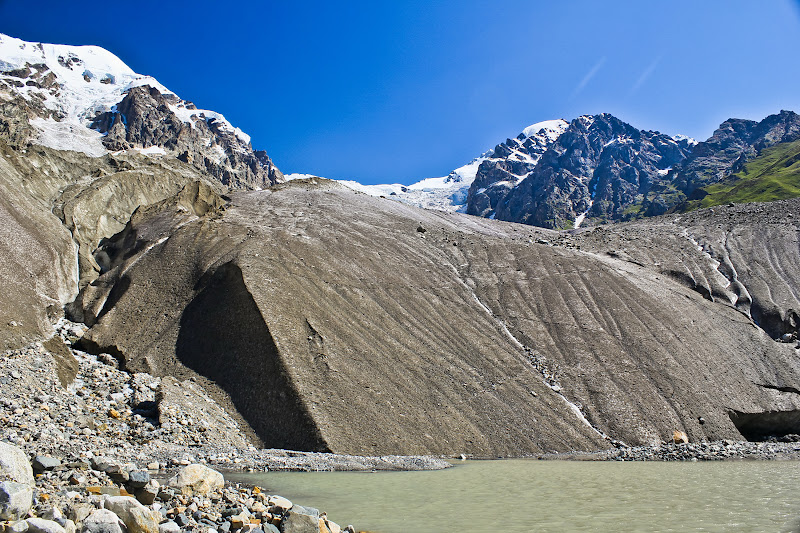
(603, 170)
(509, 163)
(593, 170)
(733, 144)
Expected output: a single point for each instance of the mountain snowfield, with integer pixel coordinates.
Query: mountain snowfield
(447, 193)
(89, 80)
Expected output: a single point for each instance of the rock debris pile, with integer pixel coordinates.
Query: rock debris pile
(105, 411)
(103, 495)
(708, 451)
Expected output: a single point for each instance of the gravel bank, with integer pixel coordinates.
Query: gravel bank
(104, 495)
(725, 450)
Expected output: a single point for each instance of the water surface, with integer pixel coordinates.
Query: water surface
(554, 496)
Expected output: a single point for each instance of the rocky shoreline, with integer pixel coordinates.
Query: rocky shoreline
(106, 496)
(724, 450)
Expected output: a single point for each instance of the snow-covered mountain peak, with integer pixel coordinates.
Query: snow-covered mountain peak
(72, 83)
(77, 83)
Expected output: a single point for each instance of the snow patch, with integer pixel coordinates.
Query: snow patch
(580, 218)
(467, 173)
(151, 150)
(190, 115)
(68, 135)
(552, 129)
(690, 140)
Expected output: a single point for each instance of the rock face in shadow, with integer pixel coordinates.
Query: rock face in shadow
(56, 208)
(332, 322)
(233, 347)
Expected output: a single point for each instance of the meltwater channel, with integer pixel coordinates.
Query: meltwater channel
(553, 496)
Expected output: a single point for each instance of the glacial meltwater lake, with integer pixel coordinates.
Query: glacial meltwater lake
(523, 495)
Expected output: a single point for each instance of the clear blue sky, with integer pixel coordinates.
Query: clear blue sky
(399, 91)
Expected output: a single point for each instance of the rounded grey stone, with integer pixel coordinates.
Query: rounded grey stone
(15, 500)
(14, 465)
(102, 521)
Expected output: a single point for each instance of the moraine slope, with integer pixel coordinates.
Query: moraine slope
(338, 321)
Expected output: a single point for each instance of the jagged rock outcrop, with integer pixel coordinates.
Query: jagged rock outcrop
(145, 117)
(364, 334)
(596, 169)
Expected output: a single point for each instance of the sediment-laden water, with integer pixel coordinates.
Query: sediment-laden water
(557, 496)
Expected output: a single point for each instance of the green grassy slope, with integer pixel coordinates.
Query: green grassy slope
(774, 175)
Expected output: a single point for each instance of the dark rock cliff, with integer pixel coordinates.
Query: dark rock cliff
(597, 168)
(507, 164)
(145, 118)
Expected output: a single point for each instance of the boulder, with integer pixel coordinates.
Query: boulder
(332, 527)
(40, 525)
(300, 519)
(679, 437)
(15, 500)
(118, 473)
(14, 465)
(147, 494)
(138, 478)
(42, 463)
(279, 504)
(78, 512)
(197, 479)
(169, 527)
(136, 517)
(238, 521)
(20, 526)
(103, 521)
